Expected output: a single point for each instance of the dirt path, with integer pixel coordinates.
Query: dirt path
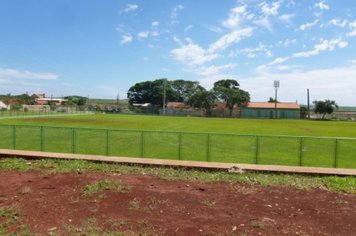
(56, 204)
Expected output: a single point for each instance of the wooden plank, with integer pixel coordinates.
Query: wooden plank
(177, 163)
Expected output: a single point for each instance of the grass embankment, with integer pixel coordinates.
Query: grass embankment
(50, 166)
(193, 143)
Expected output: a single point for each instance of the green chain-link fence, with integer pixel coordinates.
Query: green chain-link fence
(217, 147)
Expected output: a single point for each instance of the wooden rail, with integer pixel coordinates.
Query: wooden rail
(232, 167)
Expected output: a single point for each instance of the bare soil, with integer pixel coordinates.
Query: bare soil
(55, 204)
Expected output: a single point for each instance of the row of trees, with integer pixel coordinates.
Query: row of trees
(189, 92)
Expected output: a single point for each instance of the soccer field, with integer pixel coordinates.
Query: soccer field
(198, 124)
(285, 142)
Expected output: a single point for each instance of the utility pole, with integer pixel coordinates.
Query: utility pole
(164, 96)
(276, 86)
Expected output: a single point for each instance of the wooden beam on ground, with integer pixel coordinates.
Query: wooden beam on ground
(233, 167)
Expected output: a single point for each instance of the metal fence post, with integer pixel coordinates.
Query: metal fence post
(336, 150)
(142, 144)
(301, 146)
(41, 139)
(73, 140)
(208, 147)
(14, 137)
(257, 149)
(107, 142)
(179, 146)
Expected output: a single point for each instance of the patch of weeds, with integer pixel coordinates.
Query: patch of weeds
(257, 224)
(208, 202)
(91, 226)
(17, 164)
(25, 190)
(9, 218)
(134, 204)
(105, 184)
(148, 229)
(334, 183)
(117, 224)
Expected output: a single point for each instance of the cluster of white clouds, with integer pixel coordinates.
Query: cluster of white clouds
(128, 35)
(9, 73)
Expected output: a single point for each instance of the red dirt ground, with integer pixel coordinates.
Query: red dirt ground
(53, 204)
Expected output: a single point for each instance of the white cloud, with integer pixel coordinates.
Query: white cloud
(235, 18)
(252, 52)
(336, 84)
(322, 5)
(174, 12)
(192, 54)
(352, 25)
(287, 42)
(324, 45)
(278, 60)
(308, 25)
(25, 74)
(143, 34)
(187, 28)
(228, 39)
(270, 9)
(214, 29)
(264, 22)
(212, 70)
(120, 28)
(131, 7)
(287, 18)
(126, 38)
(155, 23)
(154, 34)
(338, 22)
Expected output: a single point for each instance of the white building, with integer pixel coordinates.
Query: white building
(4, 106)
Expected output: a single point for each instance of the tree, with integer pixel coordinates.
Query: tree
(185, 89)
(272, 100)
(324, 107)
(76, 100)
(151, 92)
(203, 100)
(229, 91)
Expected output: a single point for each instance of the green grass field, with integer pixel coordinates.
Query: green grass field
(186, 138)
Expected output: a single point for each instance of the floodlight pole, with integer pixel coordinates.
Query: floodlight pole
(308, 104)
(276, 86)
(164, 96)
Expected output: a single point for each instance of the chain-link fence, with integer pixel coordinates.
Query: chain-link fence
(217, 147)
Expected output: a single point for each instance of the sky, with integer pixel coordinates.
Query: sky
(100, 49)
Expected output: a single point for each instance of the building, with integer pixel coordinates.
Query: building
(4, 106)
(40, 99)
(285, 110)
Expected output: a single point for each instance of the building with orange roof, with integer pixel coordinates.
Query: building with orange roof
(285, 110)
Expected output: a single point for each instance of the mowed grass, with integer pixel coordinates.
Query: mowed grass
(187, 138)
(199, 124)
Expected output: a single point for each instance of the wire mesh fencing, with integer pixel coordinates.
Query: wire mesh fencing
(216, 147)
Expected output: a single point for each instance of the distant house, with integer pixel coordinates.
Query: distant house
(4, 106)
(285, 110)
(40, 99)
(178, 105)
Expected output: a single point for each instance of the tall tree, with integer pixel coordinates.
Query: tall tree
(324, 107)
(152, 92)
(229, 91)
(203, 100)
(185, 89)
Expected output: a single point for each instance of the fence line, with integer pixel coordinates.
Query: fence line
(334, 152)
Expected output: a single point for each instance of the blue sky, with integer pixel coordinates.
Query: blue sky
(101, 48)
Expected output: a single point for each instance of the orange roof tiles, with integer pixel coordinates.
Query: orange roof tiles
(270, 105)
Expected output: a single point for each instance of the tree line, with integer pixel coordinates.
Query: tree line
(188, 92)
